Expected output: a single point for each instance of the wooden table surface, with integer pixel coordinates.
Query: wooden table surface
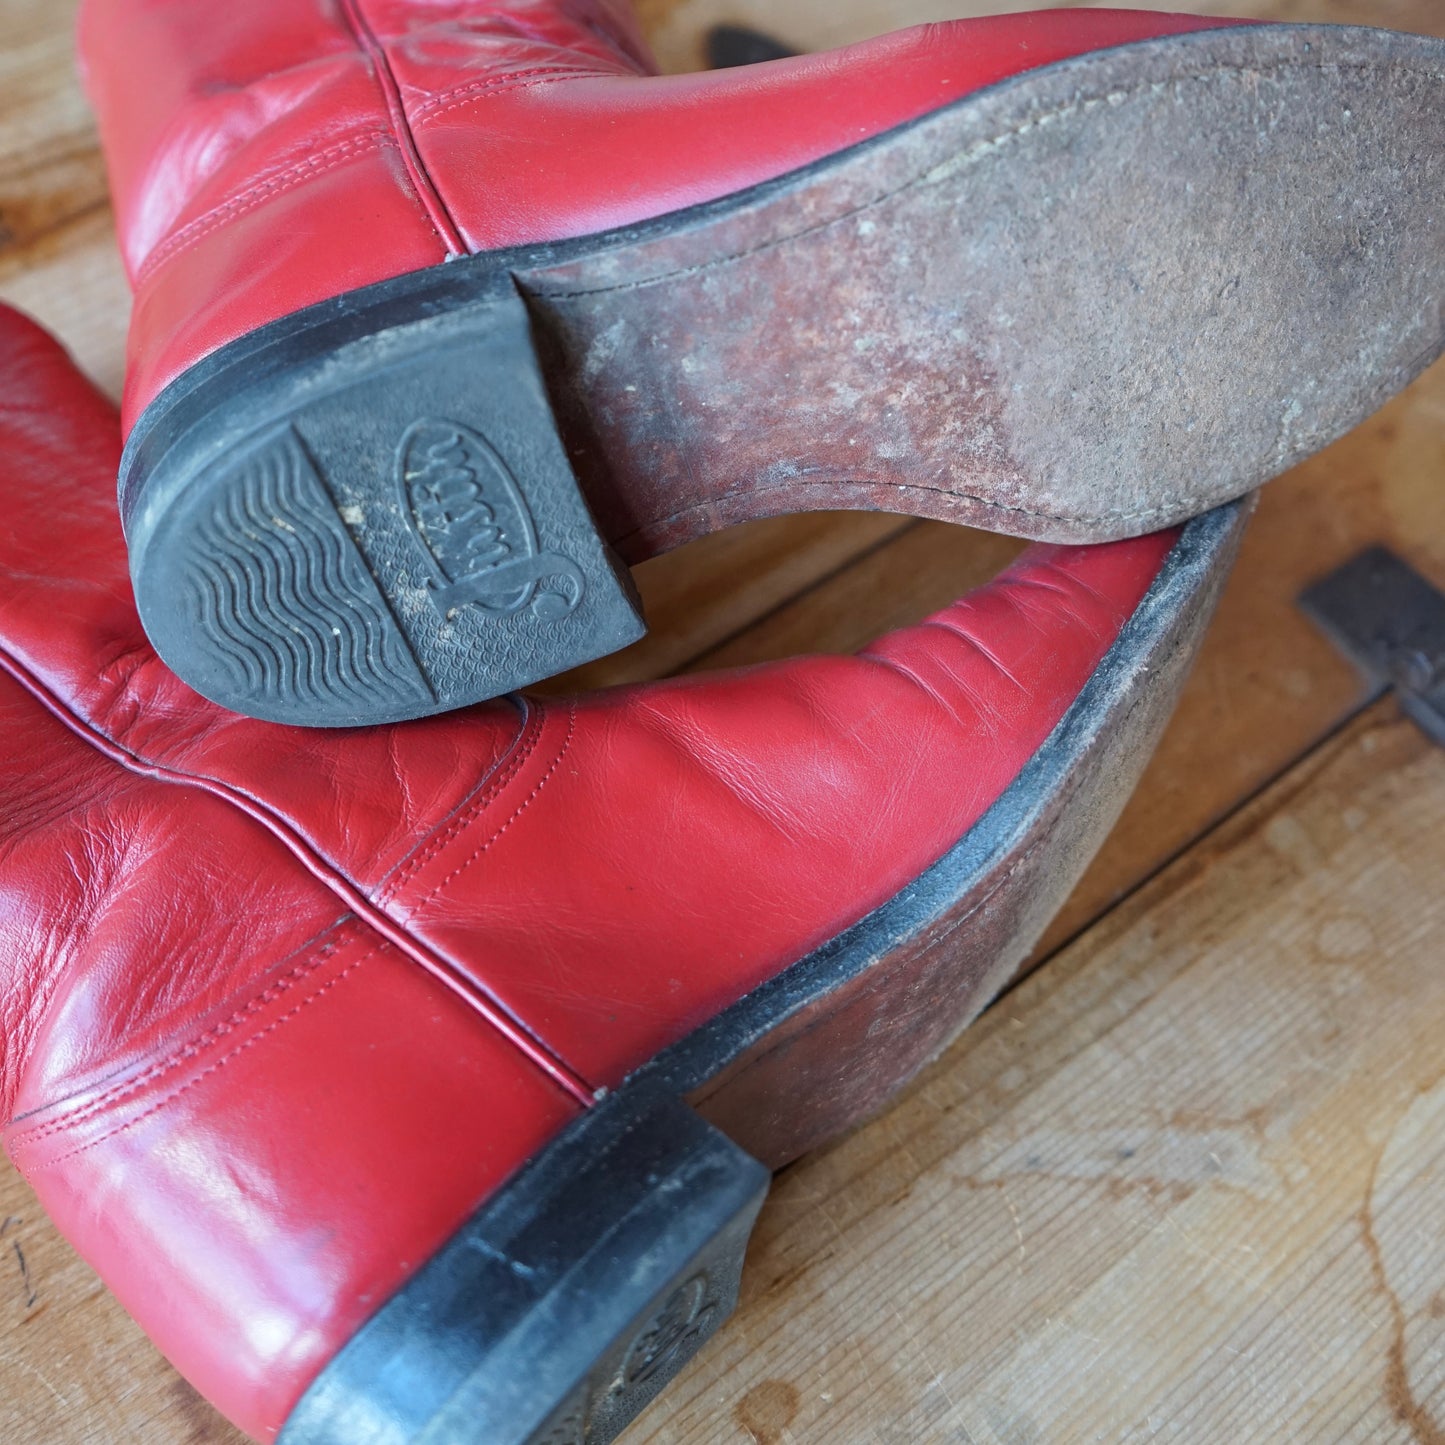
(1187, 1180)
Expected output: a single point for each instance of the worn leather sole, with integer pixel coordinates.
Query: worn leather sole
(1086, 303)
(578, 1291)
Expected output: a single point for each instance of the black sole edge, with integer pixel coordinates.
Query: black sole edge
(591, 1278)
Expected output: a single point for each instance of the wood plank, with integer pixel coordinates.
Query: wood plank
(76, 1370)
(58, 258)
(1186, 1182)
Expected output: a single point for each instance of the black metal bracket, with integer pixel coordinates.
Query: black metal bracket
(732, 45)
(1387, 619)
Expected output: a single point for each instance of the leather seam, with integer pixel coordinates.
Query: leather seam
(277, 988)
(516, 813)
(492, 788)
(212, 1068)
(428, 110)
(428, 192)
(473, 992)
(523, 742)
(245, 201)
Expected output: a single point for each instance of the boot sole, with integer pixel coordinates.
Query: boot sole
(585, 1284)
(1089, 302)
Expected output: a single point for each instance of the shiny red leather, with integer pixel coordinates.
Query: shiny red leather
(282, 1006)
(271, 154)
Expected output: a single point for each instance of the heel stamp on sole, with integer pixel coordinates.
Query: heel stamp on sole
(473, 525)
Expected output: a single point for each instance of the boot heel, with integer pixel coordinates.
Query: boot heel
(376, 521)
(565, 1305)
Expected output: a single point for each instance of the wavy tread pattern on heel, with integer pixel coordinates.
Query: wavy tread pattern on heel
(279, 589)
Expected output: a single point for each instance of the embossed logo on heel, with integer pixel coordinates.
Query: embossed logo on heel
(474, 526)
(674, 1333)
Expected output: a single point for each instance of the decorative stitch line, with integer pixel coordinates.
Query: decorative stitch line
(517, 813)
(471, 990)
(488, 794)
(114, 1095)
(211, 1068)
(253, 196)
(520, 80)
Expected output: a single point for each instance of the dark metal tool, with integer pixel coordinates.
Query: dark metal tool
(730, 45)
(1388, 620)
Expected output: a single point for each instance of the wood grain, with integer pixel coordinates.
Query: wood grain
(58, 258)
(1185, 1182)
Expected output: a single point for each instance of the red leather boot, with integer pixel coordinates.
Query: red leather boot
(416, 1084)
(447, 308)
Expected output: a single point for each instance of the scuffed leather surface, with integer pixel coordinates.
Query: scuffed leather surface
(256, 168)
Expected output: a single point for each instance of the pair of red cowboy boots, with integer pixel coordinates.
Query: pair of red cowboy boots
(417, 1084)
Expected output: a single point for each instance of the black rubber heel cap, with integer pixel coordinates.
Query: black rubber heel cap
(566, 1304)
(384, 531)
